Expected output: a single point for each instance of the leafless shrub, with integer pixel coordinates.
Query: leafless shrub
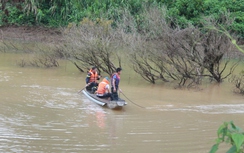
(40, 57)
(187, 55)
(180, 51)
(148, 61)
(32, 41)
(44, 61)
(216, 45)
(154, 24)
(158, 53)
(21, 63)
(145, 47)
(143, 63)
(45, 57)
(198, 55)
(93, 44)
(238, 82)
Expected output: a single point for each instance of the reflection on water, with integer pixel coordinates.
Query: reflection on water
(41, 111)
(100, 116)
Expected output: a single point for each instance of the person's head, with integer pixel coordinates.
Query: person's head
(107, 78)
(94, 69)
(118, 70)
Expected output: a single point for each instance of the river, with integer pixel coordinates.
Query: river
(41, 112)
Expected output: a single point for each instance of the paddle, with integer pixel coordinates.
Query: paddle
(82, 89)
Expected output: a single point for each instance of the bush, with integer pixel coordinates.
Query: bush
(238, 81)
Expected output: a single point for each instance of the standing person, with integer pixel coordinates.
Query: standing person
(115, 84)
(103, 89)
(91, 79)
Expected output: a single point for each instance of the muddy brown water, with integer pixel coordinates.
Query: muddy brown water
(41, 111)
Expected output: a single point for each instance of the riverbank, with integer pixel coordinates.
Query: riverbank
(25, 33)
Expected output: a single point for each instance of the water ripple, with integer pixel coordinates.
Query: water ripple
(206, 109)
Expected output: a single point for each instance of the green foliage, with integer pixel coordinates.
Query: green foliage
(1, 17)
(192, 12)
(188, 8)
(14, 16)
(229, 133)
(235, 7)
(56, 13)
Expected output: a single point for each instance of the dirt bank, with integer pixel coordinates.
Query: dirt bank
(24, 33)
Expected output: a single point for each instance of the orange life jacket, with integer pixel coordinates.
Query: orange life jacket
(93, 77)
(102, 86)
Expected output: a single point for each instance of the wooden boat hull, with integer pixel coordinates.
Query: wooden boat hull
(104, 102)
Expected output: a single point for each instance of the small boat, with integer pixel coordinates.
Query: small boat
(105, 102)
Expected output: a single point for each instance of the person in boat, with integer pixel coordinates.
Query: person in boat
(91, 79)
(115, 79)
(103, 90)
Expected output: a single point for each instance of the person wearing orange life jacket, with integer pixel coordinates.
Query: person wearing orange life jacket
(103, 89)
(115, 79)
(91, 79)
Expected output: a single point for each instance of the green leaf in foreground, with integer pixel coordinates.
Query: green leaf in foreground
(214, 148)
(230, 134)
(238, 140)
(232, 150)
